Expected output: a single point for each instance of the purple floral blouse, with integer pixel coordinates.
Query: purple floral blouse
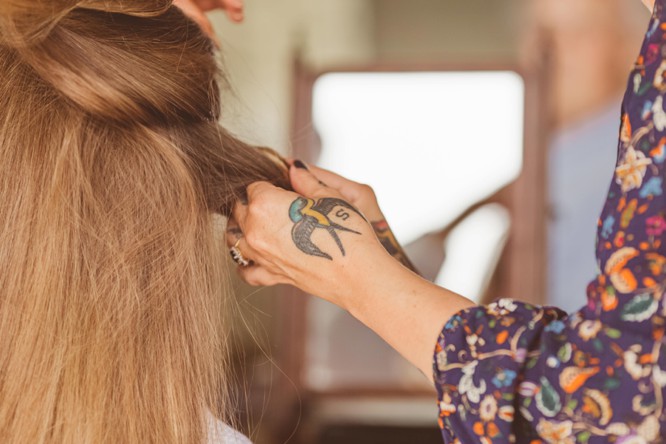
(511, 372)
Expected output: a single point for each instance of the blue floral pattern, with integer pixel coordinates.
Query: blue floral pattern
(512, 372)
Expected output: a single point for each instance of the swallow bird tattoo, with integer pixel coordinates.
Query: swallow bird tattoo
(309, 216)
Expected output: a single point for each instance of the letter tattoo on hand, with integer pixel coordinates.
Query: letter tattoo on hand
(309, 216)
(342, 214)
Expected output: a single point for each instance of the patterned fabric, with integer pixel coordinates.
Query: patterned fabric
(511, 372)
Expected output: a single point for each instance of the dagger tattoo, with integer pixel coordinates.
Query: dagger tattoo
(309, 216)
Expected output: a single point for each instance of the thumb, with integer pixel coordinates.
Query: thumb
(303, 181)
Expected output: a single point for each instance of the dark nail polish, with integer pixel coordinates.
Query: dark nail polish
(301, 165)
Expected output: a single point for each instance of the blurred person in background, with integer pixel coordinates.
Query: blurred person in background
(591, 43)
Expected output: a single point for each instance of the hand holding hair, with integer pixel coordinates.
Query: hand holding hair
(286, 234)
(319, 242)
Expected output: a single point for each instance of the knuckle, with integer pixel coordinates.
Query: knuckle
(252, 239)
(247, 276)
(261, 246)
(327, 192)
(256, 189)
(252, 188)
(262, 199)
(254, 210)
(260, 205)
(256, 241)
(366, 190)
(258, 211)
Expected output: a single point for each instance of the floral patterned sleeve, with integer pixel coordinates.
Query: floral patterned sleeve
(511, 372)
(478, 381)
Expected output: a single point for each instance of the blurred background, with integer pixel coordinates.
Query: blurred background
(488, 130)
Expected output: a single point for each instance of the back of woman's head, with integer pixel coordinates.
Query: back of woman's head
(111, 167)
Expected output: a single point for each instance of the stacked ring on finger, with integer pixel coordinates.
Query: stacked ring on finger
(237, 255)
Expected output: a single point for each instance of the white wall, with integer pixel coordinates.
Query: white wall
(259, 57)
(452, 31)
(259, 53)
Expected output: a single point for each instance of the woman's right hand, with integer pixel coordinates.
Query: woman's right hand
(313, 239)
(362, 197)
(317, 241)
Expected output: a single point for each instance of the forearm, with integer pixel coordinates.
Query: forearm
(407, 311)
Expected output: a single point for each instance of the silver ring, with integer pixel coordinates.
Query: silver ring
(237, 256)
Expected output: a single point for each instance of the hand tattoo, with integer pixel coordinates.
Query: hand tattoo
(390, 243)
(308, 216)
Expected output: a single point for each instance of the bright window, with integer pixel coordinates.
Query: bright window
(431, 144)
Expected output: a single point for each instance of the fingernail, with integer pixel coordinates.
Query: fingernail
(301, 165)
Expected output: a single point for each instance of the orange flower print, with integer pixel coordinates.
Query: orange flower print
(609, 300)
(656, 264)
(573, 378)
(659, 152)
(621, 277)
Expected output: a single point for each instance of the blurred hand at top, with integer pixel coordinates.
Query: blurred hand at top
(196, 10)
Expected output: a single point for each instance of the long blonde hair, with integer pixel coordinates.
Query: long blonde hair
(112, 270)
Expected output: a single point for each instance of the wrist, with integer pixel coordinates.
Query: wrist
(377, 275)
